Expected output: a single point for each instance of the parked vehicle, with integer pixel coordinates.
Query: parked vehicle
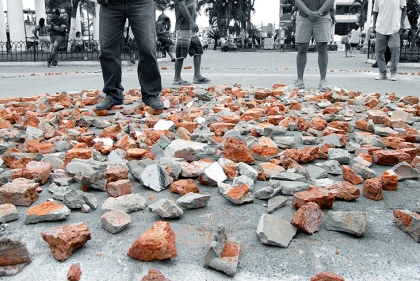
(228, 45)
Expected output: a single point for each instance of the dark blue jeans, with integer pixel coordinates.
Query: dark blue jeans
(141, 17)
(56, 41)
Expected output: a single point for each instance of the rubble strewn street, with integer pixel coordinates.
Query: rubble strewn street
(245, 180)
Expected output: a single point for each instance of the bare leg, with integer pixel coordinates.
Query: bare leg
(322, 58)
(301, 59)
(178, 68)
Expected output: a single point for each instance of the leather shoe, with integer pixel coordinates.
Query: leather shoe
(106, 104)
(154, 102)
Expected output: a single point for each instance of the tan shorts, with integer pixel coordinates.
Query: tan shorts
(321, 29)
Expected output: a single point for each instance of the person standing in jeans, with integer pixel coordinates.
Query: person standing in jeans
(58, 27)
(388, 24)
(141, 16)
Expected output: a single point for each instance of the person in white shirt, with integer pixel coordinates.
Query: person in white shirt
(354, 40)
(388, 23)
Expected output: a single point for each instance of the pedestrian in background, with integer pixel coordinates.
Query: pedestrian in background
(354, 40)
(42, 33)
(345, 40)
(388, 23)
(58, 27)
(162, 32)
(187, 41)
(141, 17)
(314, 20)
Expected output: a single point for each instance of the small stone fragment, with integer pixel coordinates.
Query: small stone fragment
(47, 211)
(409, 222)
(8, 212)
(193, 200)
(324, 198)
(327, 276)
(126, 203)
(154, 275)
(276, 203)
(166, 209)
(74, 273)
(389, 180)
(115, 221)
(372, 189)
(274, 231)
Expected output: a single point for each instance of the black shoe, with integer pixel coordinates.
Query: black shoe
(54, 64)
(375, 65)
(49, 63)
(106, 104)
(154, 102)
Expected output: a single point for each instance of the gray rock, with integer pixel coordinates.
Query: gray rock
(61, 177)
(117, 155)
(99, 123)
(61, 146)
(372, 140)
(291, 187)
(316, 172)
(12, 246)
(276, 203)
(115, 221)
(157, 151)
(74, 199)
(288, 176)
(59, 213)
(215, 172)
(323, 182)
(178, 144)
(404, 171)
(363, 171)
(274, 231)
(340, 155)
(353, 222)
(413, 227)
(85, 208)
(55, 161)
(166, 209)
(203, 95)
(351, 146)
(384, 131)
(418, 206)
(243, 180)
(214, 258)
(238, 200)
(59, 191)
(35, 132)
(334, 139)
(155, 178)
(193, 200)
(332, 167)
(402, 115)
(247, 170)
(90, 200)
(266, 192)
(126, 203)
(8, 212)
(361, 161)
(285, 142)
(89, 173)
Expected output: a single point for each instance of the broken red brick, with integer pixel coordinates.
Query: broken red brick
(372, 189)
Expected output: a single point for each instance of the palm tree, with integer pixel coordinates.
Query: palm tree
(215, 35)
(222, 12)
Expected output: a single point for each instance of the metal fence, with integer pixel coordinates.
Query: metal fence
(408, 53)
(34, 51)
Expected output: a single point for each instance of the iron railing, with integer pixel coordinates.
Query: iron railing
(33, 51)
(408, 53)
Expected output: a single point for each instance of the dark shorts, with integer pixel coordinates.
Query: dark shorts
(354, 45)
(187, 42)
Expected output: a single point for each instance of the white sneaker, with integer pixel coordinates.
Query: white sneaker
(393, 77)
(381, 77)
(323, 87)
(298, 84)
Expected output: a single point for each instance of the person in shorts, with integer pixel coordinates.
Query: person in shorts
(314, 20)
(187, 41)
(354, 40)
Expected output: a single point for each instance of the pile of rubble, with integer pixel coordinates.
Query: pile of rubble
(308, 147)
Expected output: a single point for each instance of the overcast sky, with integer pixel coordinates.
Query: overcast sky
(267, 11)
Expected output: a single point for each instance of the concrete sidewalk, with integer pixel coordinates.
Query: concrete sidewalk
(259, 69)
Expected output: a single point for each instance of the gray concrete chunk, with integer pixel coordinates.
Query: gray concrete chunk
(193, 200)
(276, 203)
(115, 221)
(126, 203)
(352, 222)
(166, 208)
(155, 178)
(274, 231)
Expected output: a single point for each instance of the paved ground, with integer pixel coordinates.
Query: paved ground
(384, 253)
(257, 69)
